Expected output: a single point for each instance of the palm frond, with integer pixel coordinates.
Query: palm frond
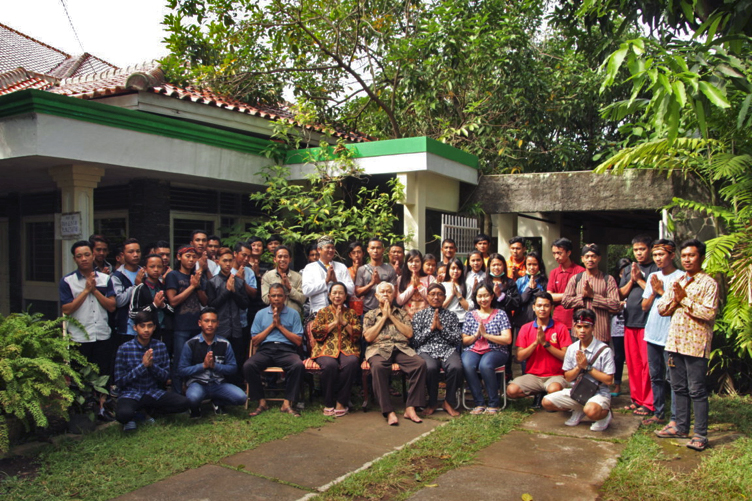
(683, 154)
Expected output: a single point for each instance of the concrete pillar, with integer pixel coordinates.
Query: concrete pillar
(414, 210)
(76, 183)
(505, 227)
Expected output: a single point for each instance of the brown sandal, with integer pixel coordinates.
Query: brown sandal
(290, 411)
(259, 410)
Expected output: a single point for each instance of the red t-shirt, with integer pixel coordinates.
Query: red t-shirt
(541, 363)
(557, 283)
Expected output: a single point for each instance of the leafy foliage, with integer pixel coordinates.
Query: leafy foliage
(35, 368)
(485, 76)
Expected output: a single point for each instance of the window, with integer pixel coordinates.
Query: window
(40, 251)
(183, 227)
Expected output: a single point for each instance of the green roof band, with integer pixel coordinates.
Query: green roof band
(37, 101)
(391, 147)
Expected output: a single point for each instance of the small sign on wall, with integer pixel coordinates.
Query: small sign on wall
(70, 225)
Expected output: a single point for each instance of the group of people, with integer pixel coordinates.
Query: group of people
(424, 313)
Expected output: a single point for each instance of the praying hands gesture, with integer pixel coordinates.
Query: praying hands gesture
(231, 283)
(254, 265)
(285, 281)
(140, 276)
(148, 358)
(415, 281)
(159, 299)
(657, 285)
(436, 323)
(196, 280)
(679, 292)
(330, 276)
(276, 322)
(541, 338)
(532, 283)
(636, 273)
(587, 290)
(582, 362)
(91, 282)
(375, 278)
(209, 361)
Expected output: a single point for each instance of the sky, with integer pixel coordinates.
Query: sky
(122, 33)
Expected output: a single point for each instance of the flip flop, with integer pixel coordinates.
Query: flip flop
(630, 407)
(642, 411)
(341, 412)
(329, 411)
(669, 431)
(259, 410)
(698, 443)
(653, 420)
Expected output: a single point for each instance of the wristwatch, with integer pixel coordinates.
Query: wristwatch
(588, 368)
(546, 344)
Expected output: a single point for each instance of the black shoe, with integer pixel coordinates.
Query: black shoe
(195, 413)
(538, 401)
(218, 409)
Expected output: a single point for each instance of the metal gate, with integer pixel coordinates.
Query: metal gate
(460, 229)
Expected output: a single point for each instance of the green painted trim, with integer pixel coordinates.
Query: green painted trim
(37, 101)
(392, 147)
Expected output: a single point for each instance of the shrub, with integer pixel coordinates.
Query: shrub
(35, 368)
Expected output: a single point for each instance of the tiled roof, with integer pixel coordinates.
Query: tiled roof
(22, 51)
(149, 77)
(20, 79)
(26, 63)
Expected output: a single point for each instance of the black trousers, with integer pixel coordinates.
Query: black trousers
(170, 403)
(274, 355)
(454, 375)
(337, 377)
(102, 354)
(413, 366)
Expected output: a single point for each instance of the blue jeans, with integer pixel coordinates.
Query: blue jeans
(473, 363)
(178, 341)
(219, 393)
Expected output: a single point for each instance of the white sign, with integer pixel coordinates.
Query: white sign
(70, 224)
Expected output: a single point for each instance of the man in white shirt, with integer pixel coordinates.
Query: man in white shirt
(319, 275)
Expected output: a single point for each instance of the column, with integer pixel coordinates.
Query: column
(415, 211)
(76, 183)
(506, 228)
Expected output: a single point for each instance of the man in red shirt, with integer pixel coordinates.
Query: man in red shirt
(542, 344)
(559, 278)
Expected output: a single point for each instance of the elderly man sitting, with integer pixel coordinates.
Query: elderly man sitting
(388, 330)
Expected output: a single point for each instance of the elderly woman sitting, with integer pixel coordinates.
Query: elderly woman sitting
(336, 331)
(437, 335)
(388, 331)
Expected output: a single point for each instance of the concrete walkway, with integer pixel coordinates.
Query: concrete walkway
(544, 459)
(291, 468)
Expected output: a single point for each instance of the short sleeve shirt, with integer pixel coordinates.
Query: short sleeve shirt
(187, 312)
(91, 314)
(604, 362)
(541, 363)
(656, 327)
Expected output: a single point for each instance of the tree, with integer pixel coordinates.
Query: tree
(480, 75)
(689, 112)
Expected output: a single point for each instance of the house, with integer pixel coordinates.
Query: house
(86, 147)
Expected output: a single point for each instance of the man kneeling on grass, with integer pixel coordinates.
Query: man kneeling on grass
(206, 361)
(141, 369)
(593, 359)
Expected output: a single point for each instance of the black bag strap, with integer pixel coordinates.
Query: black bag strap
(597, 354)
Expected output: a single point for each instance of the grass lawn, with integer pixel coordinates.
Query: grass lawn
(645, 470)
(414, 467)
(108, 463)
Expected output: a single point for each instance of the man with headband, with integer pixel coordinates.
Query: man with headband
(656, 327)
(595, 360)
(594, 290)
(317, 276)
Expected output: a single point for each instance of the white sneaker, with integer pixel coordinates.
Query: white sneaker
(575, 418)
(601, 424)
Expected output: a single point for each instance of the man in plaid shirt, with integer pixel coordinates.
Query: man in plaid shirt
(141, 368)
